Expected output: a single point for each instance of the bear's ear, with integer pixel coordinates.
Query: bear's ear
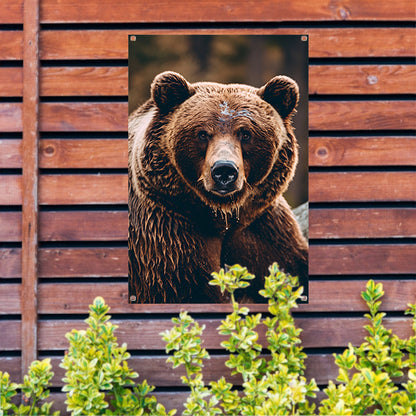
(170, 89)
(282, 93)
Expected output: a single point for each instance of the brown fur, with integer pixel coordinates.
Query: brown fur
(184, 224)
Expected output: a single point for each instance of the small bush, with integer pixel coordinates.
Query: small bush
(98, 380)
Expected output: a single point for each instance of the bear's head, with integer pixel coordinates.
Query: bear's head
(229, 143)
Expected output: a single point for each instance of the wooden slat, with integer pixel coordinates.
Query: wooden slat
(83, 117)
(11, 190)
(324, 115)
(112, 189)
(30, 181)
(83, 189)
(10, 299)
(159, 373)
(10, 154)
(362, 186)
(362, 151)
(362, 259)
(323, 43)
(324, 79)
(362, 79)
(325, 296)
(11, 342)
(112, 153)
(185, 11)
(11, 44)
(145, 334)
(11, 82)
(10, 262)
(112, 225)
(362, 223)
(85, 81)
(112, 262)
(11, 11)
(11, 117)
(83, 153)
(10, 226)
(362, 115)
(101, 262)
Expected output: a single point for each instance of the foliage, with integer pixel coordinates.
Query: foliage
(270, 387)
(98, 379)
(34, 389)
(367, 373)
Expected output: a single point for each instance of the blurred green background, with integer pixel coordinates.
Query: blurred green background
(247, 59)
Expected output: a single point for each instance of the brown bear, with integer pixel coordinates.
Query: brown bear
(208, 164)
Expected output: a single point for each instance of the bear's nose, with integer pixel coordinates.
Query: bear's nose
(224, 173)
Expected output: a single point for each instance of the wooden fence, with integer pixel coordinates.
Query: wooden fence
(63, 161)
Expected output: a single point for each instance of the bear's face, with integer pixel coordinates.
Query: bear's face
(224, 140)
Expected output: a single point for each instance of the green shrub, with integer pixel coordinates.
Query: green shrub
(34, 389)
(98, 380)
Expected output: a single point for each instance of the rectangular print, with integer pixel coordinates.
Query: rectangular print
(214, 163)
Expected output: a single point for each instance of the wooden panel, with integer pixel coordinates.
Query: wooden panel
(83, 117)
(10, 154)
(83, 153)
(10, 117)
(145, 334)
(83, 189)
(185, 11)
(362, 259)
(323, 43)
(11, 190)
(10, 299)
(10, 226)
(112, 189)
(158, 372)
(324, 79)
(362, 151)
(112, 225)
(324, 115)
(13, 340)
(362, 223)
(11, 82)
(361, 115)
(112, 262)
(101, 262)
(362, 186)
(11, 11)
(362, 79)
(112, 153)
(10, 262)
(325, 296)
(71, 81)
(11, 43)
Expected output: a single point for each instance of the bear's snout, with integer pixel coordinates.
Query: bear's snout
(224, 173)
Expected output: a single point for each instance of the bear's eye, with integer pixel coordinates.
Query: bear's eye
(203, 136)
(244, 136)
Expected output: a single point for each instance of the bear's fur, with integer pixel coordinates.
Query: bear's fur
(208, 164)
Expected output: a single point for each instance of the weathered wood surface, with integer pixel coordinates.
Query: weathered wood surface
(328, 223)
(109, 81)
(144, 334)
(362, 151)
(323, 43)
(323, 115)
(112, 153)
(262, 10)
(338, 259)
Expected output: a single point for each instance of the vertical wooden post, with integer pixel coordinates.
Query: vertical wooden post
(30, 181)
